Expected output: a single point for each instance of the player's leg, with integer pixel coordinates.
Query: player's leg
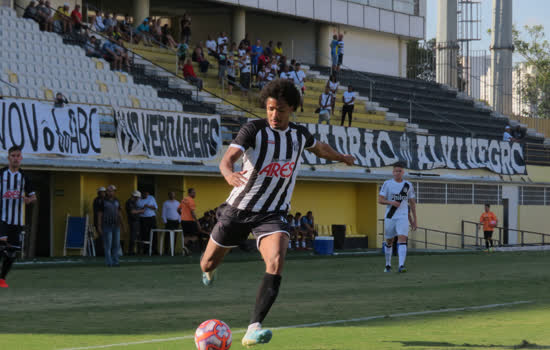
(389, 234)
(273, 248)
(212, 257)
(11, 245)
(486, 237)
(402, 230)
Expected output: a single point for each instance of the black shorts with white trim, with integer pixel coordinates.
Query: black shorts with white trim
(234, 225)
(10, 234)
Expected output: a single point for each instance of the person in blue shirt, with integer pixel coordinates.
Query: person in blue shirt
(334, 52)
(256, 52)
(307, 228)
(142, 32)
(110, 53)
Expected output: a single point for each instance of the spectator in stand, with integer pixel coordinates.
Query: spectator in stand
(274, 66)
(262, 78)
(45, 18)
(198, 56)
(325, 104)
(292, 66)
(299, 78)
(190, 76)
(257, 50)
(98, 25)
(60, 100)
(133, 213)
(76, 18)
(92, 48)
(222, 64)
(518, 134)
(299, 232)
(231, 74)
(186, 28)
(285, 74)
(242, 50)
(110, 220)
(31, 12)
(245, 43)
(97, 205)
(156, 30)
(489, 221)
(123, 54)
(308, 228)
(110, 54)
(245, 74)
(334, 52)
(148, 219)
(166, 37)
(507, 136)
(292, 231)
(211, 46)
(110, 22)
(278, 50)
(340, 51)
(142, 33)
(268, 50)
(222, 40)
(182, 53)
(170, 215)
(263, 61)
(333, 85)
(62, 19)
(349, 104)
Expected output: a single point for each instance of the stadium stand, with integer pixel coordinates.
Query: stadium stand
(430, 105)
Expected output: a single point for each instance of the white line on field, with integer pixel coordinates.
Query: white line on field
(317, 324)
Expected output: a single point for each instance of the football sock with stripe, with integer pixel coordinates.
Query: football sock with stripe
(388, 252)
(402, 252)
(267, 293)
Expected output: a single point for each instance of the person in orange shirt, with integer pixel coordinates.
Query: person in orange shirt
(189, 222)
(489, 221)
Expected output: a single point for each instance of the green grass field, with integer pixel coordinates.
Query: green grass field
(88, 306)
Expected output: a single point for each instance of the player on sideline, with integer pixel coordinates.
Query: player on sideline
(13, 183)
(398, 195)
(260, 199)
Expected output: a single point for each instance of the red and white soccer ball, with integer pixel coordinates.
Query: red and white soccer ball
(493, 223)
(213, 335)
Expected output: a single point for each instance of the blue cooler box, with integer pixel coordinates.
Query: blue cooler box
(324, 245)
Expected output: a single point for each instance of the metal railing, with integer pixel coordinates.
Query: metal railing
(503, 232)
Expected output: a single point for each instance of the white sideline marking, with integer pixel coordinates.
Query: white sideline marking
(317, 324)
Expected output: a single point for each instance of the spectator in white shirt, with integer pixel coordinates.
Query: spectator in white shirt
(299, 78)
(245, 73)
(507, 136)
(333, 87)
(170, 215)
(211, 46)
(98, 23)
(222, 39)
(148, 219)
(285, 74)
(349, 102)
(325, 104)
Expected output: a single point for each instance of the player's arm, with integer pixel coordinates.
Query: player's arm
(30, 195)
(234, 178)
(412, 205)
(323, 150)
(382, 200)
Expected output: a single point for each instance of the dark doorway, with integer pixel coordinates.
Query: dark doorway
(38, 216)
(146, 183)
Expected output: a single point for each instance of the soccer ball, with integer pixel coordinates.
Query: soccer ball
(493, 223)
(213, 335)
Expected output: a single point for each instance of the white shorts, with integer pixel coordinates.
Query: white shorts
(396, 227)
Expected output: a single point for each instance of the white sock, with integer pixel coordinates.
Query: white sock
(256, 325)
(402, 252)
(303, 244)
(388, 252)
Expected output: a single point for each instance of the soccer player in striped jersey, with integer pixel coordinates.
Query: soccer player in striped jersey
(15, 189)
(398, 195)
(260, 199)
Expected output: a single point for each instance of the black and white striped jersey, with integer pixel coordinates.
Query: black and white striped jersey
(271, 160)
(12, 187)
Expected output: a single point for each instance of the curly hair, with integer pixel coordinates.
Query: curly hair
(281, 90)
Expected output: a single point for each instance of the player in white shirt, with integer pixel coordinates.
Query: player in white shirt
(211, 45)
(347, 108)
(398, 195)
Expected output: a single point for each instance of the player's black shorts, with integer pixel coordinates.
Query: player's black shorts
(488, 234)
(340, 59)
(12, 233)
(234, 225)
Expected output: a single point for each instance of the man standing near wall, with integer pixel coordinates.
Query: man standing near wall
(489, 221)
(97, 205)
(15, 190)
(170, 215)
(189, 220)
(110, 219)
(133, 213)
(148, 219)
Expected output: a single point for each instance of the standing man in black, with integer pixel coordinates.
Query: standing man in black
(133, 212)
(15, 190)
(98, 204)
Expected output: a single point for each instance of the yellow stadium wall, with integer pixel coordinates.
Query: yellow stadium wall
(534, 218)
(67, 199)
(211, 191)
(366, 209)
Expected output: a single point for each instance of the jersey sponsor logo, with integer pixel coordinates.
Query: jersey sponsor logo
(12, 195)
(399, 197)
(278, 170)
(271, 142)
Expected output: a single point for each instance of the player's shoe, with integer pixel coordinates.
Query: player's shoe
(208, 280)
(256, 336)
(402, 269)
(3, 283)
(387, 269)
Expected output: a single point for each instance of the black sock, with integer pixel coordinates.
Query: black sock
(267, 293)
(6, 266)
(487, 243)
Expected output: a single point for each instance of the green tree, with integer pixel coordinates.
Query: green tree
(535, 82)
(421, 60)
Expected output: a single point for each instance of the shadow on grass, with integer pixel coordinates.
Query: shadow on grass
(431, 344)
